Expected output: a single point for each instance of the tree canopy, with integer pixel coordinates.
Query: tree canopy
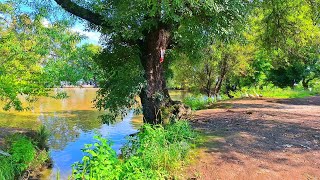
(220, 43)
(36, 55)
(133, 32)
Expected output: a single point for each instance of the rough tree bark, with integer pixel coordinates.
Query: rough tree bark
(305, 83)
(208, 71)
(223, 72)
(155, 94)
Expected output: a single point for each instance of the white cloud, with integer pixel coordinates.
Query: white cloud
(93, 36)
(45, 22)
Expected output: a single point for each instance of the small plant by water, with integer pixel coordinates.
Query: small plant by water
(24, 154)
(156, 152)
(41, 137)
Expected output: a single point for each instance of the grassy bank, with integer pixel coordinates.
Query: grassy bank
(275, 92)
(198, 102)
(156, 152)
(25, 155)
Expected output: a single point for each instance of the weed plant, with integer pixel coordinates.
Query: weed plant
(157, 152)
(41, 137)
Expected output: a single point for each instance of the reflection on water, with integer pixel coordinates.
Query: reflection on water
(68, 139)
(72, 122)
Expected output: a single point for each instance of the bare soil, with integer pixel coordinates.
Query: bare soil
(7, 131)
(259, 139)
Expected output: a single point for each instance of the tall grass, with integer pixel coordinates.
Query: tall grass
(198, 102)
(41, 137)
(157, 152)
(7, 169)
(201, 101)
(275, 92)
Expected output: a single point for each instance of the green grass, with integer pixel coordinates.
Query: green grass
(157, 152)
(7, 169)
(275, 92)
(22, 152)
(199, 102)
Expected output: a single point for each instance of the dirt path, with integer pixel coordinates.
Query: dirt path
(260, 139)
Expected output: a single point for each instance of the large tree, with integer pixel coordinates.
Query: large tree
(135, 31)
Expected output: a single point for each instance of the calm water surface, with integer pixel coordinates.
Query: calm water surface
(73, 122)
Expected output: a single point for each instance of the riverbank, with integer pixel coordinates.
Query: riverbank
(259, 139)
(23, 153)
(199, 102)
(156, 152)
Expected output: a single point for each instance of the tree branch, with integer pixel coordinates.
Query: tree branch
(82, 12)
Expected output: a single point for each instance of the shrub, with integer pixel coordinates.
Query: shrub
(100, 161)
(157, 152)
(22, 152)
(24, 156)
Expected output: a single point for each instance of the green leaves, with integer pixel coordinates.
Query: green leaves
(100, 162)
(122, 81)
(290, 33)
(155, 153)
(36, 56)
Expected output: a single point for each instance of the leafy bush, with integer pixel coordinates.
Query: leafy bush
(99, 162)
(157, 152)
(60, 95)
(24, 156)
(22, 152)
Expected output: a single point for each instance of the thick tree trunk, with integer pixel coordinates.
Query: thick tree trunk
(208, 87)
(155, 95)
(223, 72)
(305, 83)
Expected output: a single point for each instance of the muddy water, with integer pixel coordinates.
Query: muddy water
(72, 122)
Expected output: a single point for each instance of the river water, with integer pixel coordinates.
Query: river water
(72, 122)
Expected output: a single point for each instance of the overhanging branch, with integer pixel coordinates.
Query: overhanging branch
(82, 12)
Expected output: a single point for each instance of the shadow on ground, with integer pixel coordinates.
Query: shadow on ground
(310, 101)
(274, 133)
